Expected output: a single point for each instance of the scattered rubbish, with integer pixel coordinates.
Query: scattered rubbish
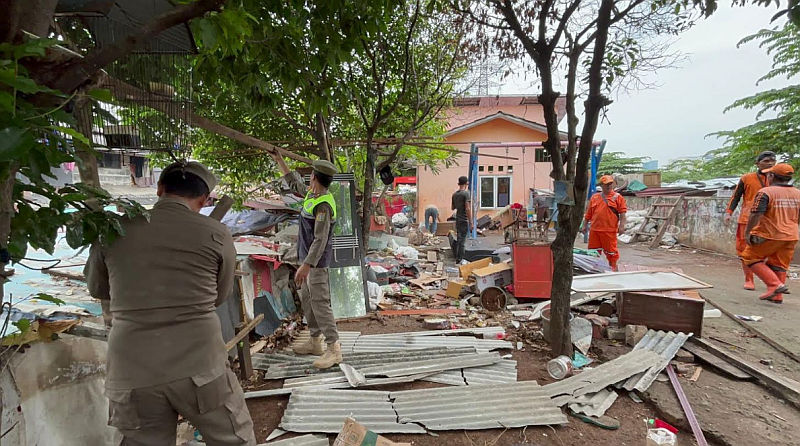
(560, 367)
(603, 421)
(437, 324)
(407, 252)
(696, 374)
(579, 360)
(635, 397)
(354, 377)
(355, 434)
(634, 334)
(749, 318)
(502, 250)
(581, 333)
(766, 362)
(660, 437)
(515, 324)
(711, 313)
(615, 333)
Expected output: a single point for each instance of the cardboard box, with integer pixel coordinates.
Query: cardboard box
(444, 228)
(355, 434)
(466, 270)
(455, 286)
(496, 275)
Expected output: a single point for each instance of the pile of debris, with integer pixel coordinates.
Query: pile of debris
(633, 224)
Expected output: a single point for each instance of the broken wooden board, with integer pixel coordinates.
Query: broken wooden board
(466, 270)
(421, 312)
(787, 387)
(720, 365)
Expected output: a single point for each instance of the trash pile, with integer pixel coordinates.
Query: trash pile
(634, 223)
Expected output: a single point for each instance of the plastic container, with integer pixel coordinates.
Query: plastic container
(546, 322)
(560, 367)
(660, 437)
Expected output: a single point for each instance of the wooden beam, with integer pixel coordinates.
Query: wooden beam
(755, 331)
(244, 332)
(127, 92)
(789, 388)
(719, 364)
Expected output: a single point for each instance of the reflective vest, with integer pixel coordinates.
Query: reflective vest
(305, 235)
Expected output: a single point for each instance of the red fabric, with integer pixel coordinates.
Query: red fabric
(606, 241)
(740, 242)
(782, 215)
(775, 252)
(603, 219)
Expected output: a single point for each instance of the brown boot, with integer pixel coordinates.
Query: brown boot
(331, 357)
(748, 278)
(313, 346)
(767, 275)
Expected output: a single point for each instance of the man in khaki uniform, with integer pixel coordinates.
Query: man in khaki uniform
(166, 355)
(314, 250)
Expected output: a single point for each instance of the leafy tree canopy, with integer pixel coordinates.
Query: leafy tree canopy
(617, 162)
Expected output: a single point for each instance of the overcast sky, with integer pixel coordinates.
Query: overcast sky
(671, 120)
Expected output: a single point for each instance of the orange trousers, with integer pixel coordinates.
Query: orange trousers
(741, 243)
(777, 253)
(607, 241)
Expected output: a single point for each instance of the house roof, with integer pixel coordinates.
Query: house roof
(505, 116)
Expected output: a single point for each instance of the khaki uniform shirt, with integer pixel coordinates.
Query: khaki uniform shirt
(164, 278)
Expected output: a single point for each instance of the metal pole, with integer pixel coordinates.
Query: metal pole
(473, 188)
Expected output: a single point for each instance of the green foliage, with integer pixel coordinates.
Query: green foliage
(777, 125)
(33, 139)
(617, 162)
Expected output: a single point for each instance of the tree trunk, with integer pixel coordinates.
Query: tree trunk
(366, 201)
(88, 161)
(6, 214)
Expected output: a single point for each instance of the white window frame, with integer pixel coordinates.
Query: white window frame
(494, 186)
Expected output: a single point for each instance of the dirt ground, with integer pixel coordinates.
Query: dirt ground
(730, 412)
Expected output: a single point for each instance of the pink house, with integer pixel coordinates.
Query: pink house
(502, 180)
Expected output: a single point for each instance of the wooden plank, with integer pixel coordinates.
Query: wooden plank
(466, 270)
(421, 312)
(756, 331)
(244, 332)
(665, 224)
(720, 365)
(243, 352)
(787, 387)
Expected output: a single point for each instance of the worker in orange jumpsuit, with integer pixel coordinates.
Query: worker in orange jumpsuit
(746, 190)
(606, 216)
(771, 231)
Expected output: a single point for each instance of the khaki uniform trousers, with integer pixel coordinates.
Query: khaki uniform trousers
(148, 416)
(315, 297)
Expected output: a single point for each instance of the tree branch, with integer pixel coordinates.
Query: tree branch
(77, 72)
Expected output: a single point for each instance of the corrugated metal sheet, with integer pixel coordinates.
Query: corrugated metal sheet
(355, 342)
(399, 369)
(303, 440)
(666, 344)
(336, 385)
(594, 405)
(285, 366)
(478, 407)
(486, 332)
(502, 372)
(395, 343)
(602, 376)
(473, 407)
(325, 411)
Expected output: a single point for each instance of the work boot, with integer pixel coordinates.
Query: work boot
(748, 277)
(331, 357)
(313, 346)
(770, 279)
(778, 298)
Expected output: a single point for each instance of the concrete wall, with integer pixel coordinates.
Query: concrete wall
(700, 223)
(438, 187)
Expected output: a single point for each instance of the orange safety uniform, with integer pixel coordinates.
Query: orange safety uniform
(605, 223)
(778, 226)
(746, 190)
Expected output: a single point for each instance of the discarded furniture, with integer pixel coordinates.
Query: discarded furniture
(676, 310)
(533, 270)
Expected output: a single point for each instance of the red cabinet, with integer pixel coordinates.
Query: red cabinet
(533, 270)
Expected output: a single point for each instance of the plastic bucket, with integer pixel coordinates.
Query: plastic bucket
(546, 322)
